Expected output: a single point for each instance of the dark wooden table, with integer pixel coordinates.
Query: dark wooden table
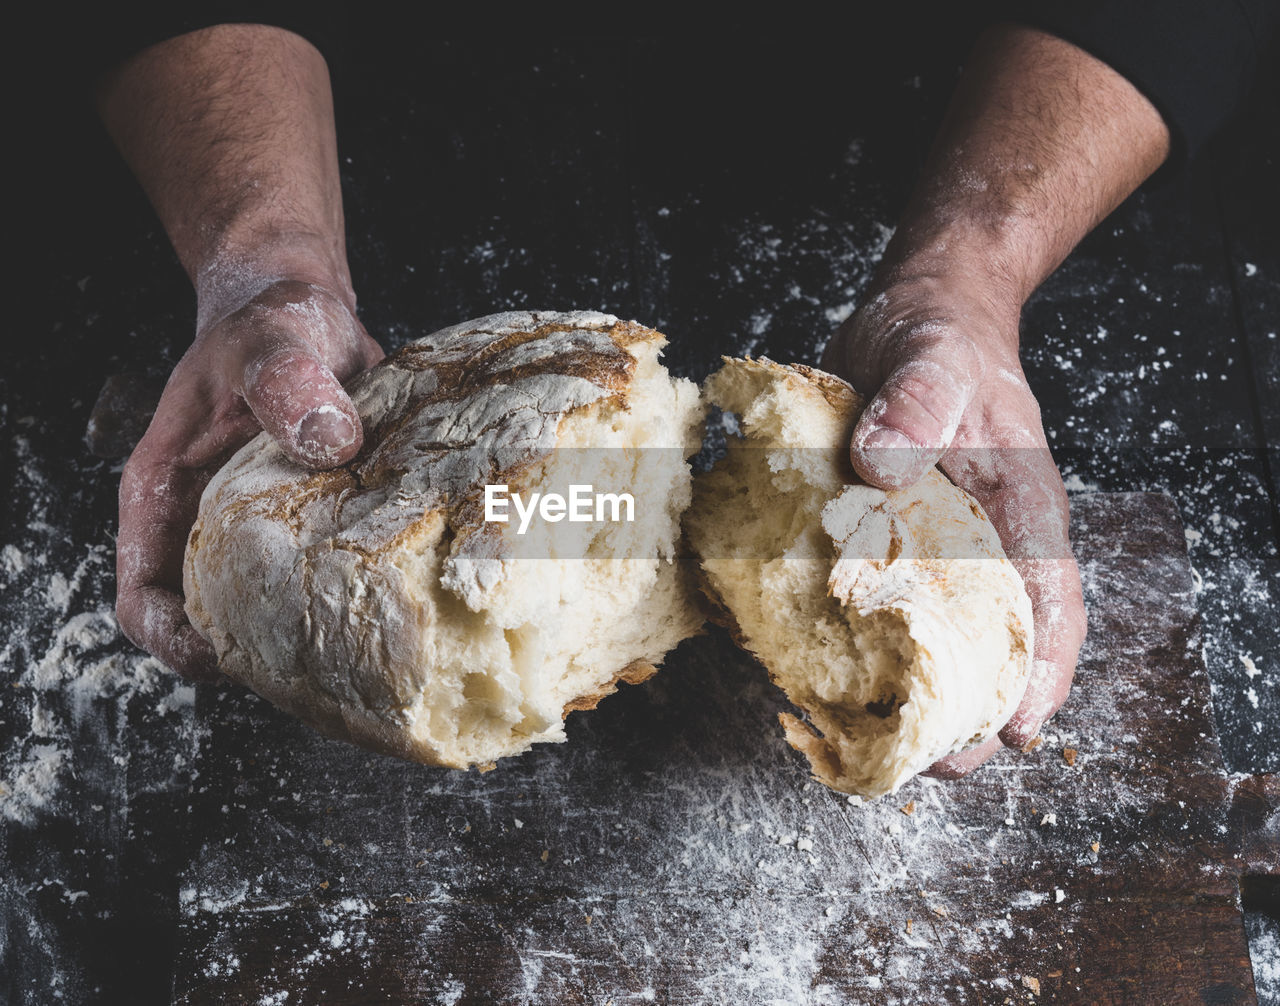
(735, 195)
(672, 849)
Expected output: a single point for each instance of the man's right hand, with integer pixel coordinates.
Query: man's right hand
(275, 362)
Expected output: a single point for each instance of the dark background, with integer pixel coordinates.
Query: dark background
(733, 191)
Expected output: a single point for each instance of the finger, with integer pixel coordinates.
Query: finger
(155, 619)
(1058, 608)
(955, 766)
(1022, 493)
(300, 402)
(914, 415)
(295, 337)
(157, 508)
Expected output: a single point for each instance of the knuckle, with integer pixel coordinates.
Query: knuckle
(913, 336)
(273, 366)
(917, 390)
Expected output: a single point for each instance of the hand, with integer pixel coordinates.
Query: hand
(273, 362)
(1041, 141)
(937, 356)
(230, 130)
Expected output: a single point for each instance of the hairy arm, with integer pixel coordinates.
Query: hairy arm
(230, 131)
(1040, 143)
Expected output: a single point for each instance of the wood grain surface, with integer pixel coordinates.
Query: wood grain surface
(673, 850)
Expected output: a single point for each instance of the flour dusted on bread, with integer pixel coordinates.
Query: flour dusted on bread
(375, 602)
(894, 621)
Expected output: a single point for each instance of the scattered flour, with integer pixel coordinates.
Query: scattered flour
(1264, 952)
(1075, 484)
(32, 784)
(13, 561)
(86, 663)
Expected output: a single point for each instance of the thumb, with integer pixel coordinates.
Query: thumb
(299, 401)
(912, 419)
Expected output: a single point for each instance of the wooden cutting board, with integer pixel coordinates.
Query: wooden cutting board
(674, 851)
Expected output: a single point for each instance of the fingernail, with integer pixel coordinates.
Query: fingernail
(886, 438)
(324, 431)
(890, 451)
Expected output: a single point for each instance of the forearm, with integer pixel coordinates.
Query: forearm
(230, 131)
(1040, 143)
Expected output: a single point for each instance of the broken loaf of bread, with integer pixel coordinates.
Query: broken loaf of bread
(382, 603)
(893, 620)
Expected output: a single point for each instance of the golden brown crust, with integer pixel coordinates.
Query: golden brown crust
(823, 757)
(838, 393)
(459, 378)
(634, 673)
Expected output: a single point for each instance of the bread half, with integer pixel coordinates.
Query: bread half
(376, 601)
(893, 621)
